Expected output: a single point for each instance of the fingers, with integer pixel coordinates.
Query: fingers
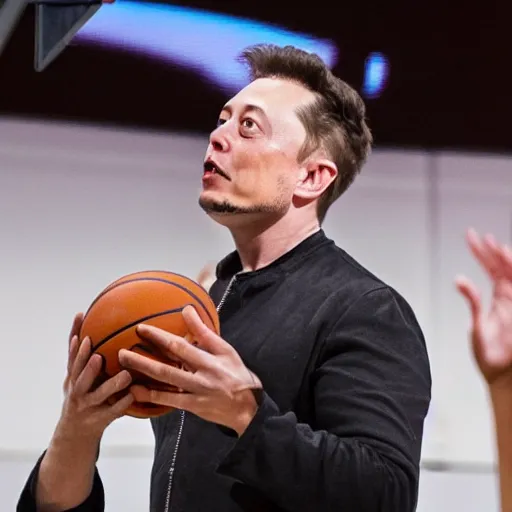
(485, 252)
(495, 258)
(151, 352)
(77, 324)
(505, 257)
(73, 345)
(168, 398)
(83, 383)
(159, 371)
(110, 387)
(493, 250)
(119, 408)
(82, 356)
(208, 340)
(73, 350)
(472, 296)
(175, 346)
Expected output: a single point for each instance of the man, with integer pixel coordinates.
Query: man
(315, 396)
(491, 341)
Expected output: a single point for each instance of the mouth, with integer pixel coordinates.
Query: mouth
(211, 168)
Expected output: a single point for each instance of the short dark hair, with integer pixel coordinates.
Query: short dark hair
(335, 121)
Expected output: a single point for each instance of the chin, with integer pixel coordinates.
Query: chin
(225, 212)
(216, 203)
(238, 217)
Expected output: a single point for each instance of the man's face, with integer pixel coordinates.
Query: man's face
(256, 146)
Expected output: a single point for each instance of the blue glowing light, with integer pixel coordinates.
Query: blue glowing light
(376, 75)
(205, 42)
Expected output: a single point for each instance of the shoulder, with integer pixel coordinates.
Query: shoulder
(336, 275)
(353, 293)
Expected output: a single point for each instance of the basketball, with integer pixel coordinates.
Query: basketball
(151, 297)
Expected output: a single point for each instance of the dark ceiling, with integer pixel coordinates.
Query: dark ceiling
(448, 87)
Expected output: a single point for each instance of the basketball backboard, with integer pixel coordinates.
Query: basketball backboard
(57, 22)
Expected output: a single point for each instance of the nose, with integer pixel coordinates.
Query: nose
(218, 139)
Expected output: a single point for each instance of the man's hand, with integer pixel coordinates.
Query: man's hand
(66, 472)
(218, 386)
(491, 331)
(86, 412)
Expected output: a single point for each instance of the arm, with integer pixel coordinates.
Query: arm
(74, 461)
(65, 478)
(76, 472)
(371, 393)
(491, 341)
(501, 400)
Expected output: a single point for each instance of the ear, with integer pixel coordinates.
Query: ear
(315, 177)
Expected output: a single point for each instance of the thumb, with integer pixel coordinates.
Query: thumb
(469, 291)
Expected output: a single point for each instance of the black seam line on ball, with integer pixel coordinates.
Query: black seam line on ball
(133, 324)
(193, 295)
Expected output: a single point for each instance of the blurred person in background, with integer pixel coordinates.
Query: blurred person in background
(315, 396)
(491, 342)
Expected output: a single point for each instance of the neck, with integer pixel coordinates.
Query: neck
(260, 245)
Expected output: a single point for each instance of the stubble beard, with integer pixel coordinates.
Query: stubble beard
(228, 208)
(277, 207)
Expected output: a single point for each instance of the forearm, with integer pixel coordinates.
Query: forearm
(301, 470)
(69, 461)
(357, 445)
(502, 408)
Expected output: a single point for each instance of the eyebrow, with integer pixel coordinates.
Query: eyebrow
(247, 108)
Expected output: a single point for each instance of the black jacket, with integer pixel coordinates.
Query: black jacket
(346, 384)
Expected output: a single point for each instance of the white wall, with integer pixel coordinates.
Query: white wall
(477, 191)
(81, 206)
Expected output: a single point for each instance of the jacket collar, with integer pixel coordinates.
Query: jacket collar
(231, 264)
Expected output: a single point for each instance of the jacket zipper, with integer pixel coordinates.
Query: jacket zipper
(173, 461)
(182, 417)
(226, 293)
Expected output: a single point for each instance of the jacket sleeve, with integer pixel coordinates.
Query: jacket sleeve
(94, 503)
(370, 395)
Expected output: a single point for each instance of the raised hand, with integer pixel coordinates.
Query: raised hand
(491, 330)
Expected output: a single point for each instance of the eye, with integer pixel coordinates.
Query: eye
(221, 122)
(248, 123)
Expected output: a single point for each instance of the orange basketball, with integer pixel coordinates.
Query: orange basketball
(150, 297)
